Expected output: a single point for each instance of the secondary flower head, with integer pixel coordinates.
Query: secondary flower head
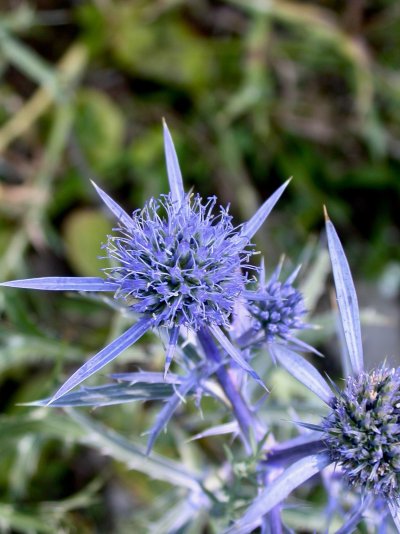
(271, 313)
(180, 265)
(363, 432)
(277, 308)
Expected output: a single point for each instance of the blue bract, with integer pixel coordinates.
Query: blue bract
(179, 264)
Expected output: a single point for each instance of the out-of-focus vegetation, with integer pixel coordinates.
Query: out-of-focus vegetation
(254, 91)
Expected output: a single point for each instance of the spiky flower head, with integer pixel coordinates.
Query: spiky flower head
(363, 432)
(178, 262)
(181, 264)
(277, 308)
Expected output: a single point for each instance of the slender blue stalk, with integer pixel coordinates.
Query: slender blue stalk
(243, 413)
(275, 520)
(272, 520)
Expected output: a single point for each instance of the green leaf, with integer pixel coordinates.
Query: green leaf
(85, 231)
(14, 520)
(134, 455)
(160, 48)
(100, 128)
(18, 350)
(41, 422)
(28, 62)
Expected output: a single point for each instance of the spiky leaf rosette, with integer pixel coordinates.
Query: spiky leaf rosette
(363, 432)
(181, 267)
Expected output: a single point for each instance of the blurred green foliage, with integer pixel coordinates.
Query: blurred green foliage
(254, 91)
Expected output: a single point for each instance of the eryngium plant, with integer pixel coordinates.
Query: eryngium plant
(179, 264)
(360, 435)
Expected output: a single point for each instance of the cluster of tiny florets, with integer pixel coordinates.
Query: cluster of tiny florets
(363, 432)
(180, 266)
(277, 310)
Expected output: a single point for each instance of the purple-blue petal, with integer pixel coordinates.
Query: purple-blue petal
(219, 430)
(278, 490)
(173, 169)
(118, 212)
(256, 296)
(56, 283)
(302, 370)
(346, 298)
(292, 277)
(272, 522)
(303, 346)
(109, 394)
(253, 224)
(301, 439)
(105, 356)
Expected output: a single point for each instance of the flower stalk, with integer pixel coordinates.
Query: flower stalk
(246, 419)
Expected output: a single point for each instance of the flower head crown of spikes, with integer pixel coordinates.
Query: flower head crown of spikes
(178, 263)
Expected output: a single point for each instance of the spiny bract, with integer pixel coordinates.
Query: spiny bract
(363, 431)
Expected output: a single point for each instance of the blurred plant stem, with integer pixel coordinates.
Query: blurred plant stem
(66, 74)
(246, 419)
(27, 61)
(31, 230)
(326, 29)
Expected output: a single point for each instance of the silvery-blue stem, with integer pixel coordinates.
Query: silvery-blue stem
(241, 410)
(273, 520)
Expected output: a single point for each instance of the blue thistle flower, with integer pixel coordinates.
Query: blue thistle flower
(270, 314)
(280, 313)
(178, 264)
(276, 308)
(361, 431)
